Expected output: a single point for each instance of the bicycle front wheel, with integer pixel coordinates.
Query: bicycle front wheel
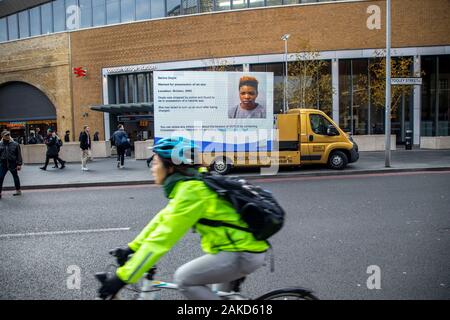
(289, 294)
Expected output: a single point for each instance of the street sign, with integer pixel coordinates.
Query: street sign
(406, 81)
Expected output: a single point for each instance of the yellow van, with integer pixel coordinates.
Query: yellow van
(305, 136)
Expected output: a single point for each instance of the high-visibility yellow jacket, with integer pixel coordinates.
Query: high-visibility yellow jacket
(190, 200)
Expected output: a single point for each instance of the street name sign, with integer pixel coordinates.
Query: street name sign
(406, 81)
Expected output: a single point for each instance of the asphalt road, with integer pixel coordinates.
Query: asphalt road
(336, 228)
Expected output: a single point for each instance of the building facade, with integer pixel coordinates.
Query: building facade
(61, 62)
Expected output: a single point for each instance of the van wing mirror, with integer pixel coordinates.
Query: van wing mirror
(332, 131)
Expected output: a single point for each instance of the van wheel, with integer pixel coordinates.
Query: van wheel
(221, 166)
(337, 160)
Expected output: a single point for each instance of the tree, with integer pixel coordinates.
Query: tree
(374, 88)
(309, 82)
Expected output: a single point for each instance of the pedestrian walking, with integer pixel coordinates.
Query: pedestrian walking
(10, 160)
(39, 137)
(85, 146)
(67, 136)
(96, 136)
(122, 143)
(59, 144)
(53, 147)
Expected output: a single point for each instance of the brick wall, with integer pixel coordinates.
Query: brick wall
(338, 26)
(44, 63)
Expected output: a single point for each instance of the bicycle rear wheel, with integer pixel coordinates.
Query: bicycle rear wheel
(289, 294)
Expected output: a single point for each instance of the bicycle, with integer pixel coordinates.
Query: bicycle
(150, 289)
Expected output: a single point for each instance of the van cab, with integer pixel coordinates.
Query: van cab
(320, 140)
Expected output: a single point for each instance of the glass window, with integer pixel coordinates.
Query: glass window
(206, 5)
(345, 95)
(158, 8)
(59, 16)
(360, 108)
(131, 87)
(222, 5)
(149, 77)
(142, 9)
(319, 124)
(86, 13)
(296, 1)
(47, 18)
(190, 6)
(239, 4)
(3, 30)
(98, 12)
(435, 96)
(127, 9)
(258, 68)
(377, 113)
(13, 27)
(429, 65)
(274, 2)
(444, 96)
(112, 11)
(141, 88)
(173, 7)
(325, 86)
(122, 87)
(24, 24)
(35, 21)
(256, 3)
(278, 85)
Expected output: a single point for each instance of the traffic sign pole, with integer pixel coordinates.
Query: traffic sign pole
(387, 157)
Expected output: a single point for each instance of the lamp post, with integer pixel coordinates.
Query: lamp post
(285, 38)
(387, 153)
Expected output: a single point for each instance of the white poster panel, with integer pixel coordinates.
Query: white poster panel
(220, 111)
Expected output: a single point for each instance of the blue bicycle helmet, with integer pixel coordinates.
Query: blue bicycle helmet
(176, 149)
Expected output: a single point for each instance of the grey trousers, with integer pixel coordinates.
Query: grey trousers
(218, 269)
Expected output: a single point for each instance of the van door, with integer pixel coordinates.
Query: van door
(317, 137)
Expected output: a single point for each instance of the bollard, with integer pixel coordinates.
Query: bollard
(408, 140)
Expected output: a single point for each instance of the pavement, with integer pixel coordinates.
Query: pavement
(104, 171)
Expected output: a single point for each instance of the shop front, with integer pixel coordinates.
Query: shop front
(137, 119)
(21, 131)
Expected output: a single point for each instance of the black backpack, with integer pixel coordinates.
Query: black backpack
(257, 207)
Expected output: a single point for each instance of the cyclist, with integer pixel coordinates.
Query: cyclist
(230, 253)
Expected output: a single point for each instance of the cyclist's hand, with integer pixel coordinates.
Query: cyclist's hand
(121, 254)
(110, 287)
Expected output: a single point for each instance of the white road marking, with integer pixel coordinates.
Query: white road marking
(51, 233)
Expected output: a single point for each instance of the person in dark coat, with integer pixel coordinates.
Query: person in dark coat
(39, 138)
(52, 150)
(96, 138)
(67, 136)
(85, 146)
(32, 139)
(59, 144)
(10, 160)
(122, 143)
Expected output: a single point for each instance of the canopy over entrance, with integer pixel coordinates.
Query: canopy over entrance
(125, 108)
